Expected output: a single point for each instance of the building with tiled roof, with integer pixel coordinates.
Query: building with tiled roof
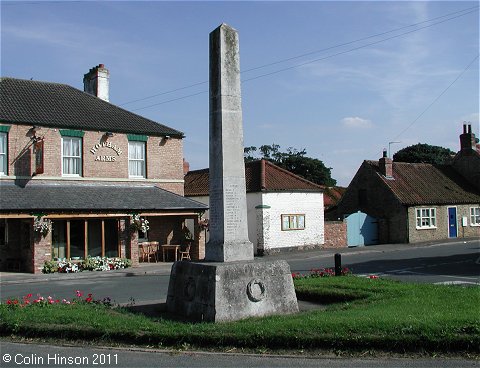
(285, 211)
(401, 202)
(76, 171)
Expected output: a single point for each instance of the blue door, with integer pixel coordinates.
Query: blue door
(452, 222)
(362, 229)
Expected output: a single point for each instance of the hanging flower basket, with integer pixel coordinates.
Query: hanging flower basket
(42, 226)
(139, 223)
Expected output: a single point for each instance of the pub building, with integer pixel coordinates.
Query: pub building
(76, 172)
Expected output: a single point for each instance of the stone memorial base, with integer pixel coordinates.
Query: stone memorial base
(217, 292)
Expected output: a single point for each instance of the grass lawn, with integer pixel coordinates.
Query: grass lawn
(362, 314)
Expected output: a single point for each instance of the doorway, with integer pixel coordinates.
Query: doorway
(452, 222)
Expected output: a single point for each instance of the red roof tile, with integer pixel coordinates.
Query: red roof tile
(417, 184)
(260, 175)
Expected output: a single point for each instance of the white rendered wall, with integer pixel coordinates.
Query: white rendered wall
(309, 204)
(253, 200)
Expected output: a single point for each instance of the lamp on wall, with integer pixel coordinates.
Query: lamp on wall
(167, 137)
(108, 135)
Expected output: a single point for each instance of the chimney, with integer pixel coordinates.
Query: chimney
(96, 83)
(386, 165)
(186, 167)
(467, 139)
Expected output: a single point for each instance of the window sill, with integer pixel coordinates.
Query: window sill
(426, 228)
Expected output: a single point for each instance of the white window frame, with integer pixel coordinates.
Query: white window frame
(142, 160)
(4, 155)
(80, 157)
(293, 222)
(426, 218)
(475, 217)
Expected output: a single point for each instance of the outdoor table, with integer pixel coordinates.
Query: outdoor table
(167, 247)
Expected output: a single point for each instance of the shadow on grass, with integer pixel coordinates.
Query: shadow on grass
(159, 310)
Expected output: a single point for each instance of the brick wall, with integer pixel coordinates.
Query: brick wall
(42, 251)
(468, 165)
(164, 157)
(368, 194)
(335, 234)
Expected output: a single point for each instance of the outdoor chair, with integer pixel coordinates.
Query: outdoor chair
(143, 247)
(147, 251)
(184, 252)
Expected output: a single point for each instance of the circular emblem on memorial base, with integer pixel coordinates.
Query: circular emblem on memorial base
(256, 290)
(189, 289)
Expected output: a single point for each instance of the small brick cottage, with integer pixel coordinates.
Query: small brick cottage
(73, 160)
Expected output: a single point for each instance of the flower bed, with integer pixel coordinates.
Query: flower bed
(28, 300)
(89, 264)
(321, 272)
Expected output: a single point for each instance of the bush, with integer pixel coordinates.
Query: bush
(89, 264)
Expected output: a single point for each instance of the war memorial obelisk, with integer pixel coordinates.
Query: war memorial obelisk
(230, 284)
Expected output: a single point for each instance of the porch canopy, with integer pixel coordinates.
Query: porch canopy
(42, 198)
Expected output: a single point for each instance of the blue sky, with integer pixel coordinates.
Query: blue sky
(340, 79)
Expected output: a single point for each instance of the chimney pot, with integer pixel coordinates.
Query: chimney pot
(186, 167)
(467, 139)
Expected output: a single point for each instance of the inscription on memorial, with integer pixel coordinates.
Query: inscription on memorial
(232, 208)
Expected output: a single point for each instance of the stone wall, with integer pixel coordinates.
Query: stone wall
(335, 234)
(441, 231)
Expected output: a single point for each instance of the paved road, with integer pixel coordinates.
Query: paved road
(453, 262)
(22, 355)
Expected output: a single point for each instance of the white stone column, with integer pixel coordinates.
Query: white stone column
(228, 204)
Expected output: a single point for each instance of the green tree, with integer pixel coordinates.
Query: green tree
(424, 153)
(294, 161)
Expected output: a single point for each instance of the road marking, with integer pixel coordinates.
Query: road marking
(429, 274)
(456, 283)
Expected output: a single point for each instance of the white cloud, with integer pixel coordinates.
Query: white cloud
(356, 122)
